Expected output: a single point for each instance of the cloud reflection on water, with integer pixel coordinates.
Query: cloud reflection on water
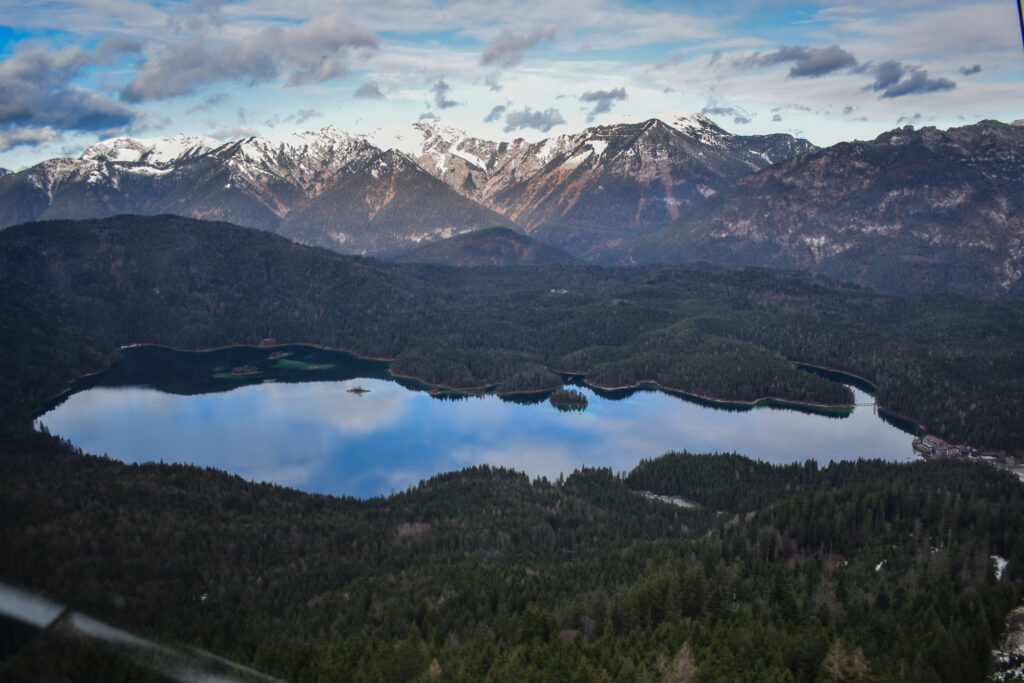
(320, 437)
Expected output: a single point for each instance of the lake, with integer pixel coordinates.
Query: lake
(287, 415)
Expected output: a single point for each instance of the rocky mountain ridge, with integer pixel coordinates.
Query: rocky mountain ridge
(383, 205)
(912, 210)
(587, 191)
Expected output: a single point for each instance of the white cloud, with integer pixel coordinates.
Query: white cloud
(665, 58)
(507, 49)
(311, 52)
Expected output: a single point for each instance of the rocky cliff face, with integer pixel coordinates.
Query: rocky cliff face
(912, 210)
(385, 205)
(593, 191)
(589, 192)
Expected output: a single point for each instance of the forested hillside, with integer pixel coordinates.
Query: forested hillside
(73, 292)
(856, 572)
(865, 571)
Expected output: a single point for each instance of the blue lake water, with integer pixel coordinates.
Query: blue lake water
(319, 437)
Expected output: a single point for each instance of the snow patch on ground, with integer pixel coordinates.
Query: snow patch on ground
(673, 500)
(1009, 658)
(954, 198)
(549, 148)
(438, 234)
(1001, 564)
(576, 159)
(763, 155)
(880, 228)
(470, 159)
(148, 170)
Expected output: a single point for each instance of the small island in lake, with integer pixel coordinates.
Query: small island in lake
(359, 390)
(568, 399)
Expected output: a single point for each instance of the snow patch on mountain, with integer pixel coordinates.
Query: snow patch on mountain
(599, 146)
(469, 158)
(126, 150)
(415, 139)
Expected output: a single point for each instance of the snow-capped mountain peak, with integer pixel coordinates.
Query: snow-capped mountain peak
(588, 190)
(308, 160)
(408, 139)
(699, 127)
(160, 151)
(417, 139)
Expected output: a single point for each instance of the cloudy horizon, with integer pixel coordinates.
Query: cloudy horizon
(73, 72)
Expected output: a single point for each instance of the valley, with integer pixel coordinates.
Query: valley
(472, 569)
(461, 342)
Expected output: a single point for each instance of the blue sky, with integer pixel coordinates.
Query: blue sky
(75, 72)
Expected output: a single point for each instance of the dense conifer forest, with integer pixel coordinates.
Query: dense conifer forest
(74, 292)
(866, 571)
(858, 571)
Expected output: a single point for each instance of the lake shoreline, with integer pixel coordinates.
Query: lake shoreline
(481, 390)
(723, 401)
(306, 431)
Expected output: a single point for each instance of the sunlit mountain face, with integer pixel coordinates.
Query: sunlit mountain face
(393, 190)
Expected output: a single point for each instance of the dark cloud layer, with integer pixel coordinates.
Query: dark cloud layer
(539, 120)
(791, 107)
(895, 79)
(917, 83)
(38, 101)
(210, 102)
(887, 74)
(738, 115)
(369, 90)
(970, 70)
(441, 99)
(312, 52)
(508, 48)
(603, 100)
(493, 81)
(495, 114)
(807, 61)
(303, 115)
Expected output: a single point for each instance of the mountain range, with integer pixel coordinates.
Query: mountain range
(913, 210)
(393, 189)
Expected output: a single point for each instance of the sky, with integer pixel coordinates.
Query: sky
(73, 72)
